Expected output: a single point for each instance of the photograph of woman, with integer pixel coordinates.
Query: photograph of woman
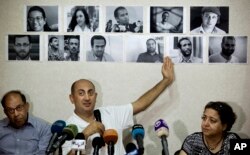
(83, 19)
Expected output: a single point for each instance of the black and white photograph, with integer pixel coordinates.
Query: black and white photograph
(104, 48)
(56, 48)
(124, 19)
(209, 20)
(63, 47)
(81, 19)
(228, 49)
(166, 19)
(186, 49)
(42, 19)
(144, 49)
(23, 47)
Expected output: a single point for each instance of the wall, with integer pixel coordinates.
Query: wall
(47, 84)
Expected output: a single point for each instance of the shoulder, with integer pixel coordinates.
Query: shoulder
(232, 135)
(36, 121)
(196, 30)
(220, 31)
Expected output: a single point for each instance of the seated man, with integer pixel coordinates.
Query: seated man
(21, 133)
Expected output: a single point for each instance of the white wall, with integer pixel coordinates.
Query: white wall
(47, 84)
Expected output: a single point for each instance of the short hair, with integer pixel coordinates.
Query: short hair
(97, 37)
(74, 83)
(215, 10)
(73, 37)
(150, 39)
(227, 37)
(3, 101)
(225, 111)
(118, 9)
(179, 42)
(166, 12)
(37, 8)
(21, 36)
(52, 38)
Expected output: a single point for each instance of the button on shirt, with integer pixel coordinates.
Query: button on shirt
(31, 139)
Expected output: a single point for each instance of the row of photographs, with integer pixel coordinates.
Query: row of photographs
(127, 48)
(158, 19)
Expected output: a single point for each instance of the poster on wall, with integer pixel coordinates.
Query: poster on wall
(209, 20)
(186, 49)
(104, 48)
(63, 48)
(81, 19)
(166, 19)
(227, 49)
(42, 19)
(23, 47)
(124, 19)
(144, 49)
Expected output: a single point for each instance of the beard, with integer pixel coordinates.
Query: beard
(186, 53)
(227, 52)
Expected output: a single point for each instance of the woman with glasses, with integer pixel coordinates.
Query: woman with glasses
(217, 120)
(80, 21)
(37, 20)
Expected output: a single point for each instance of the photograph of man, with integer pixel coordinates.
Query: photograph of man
(82, 19)
(186, 50)
(44, 18)
(54, 52)
(72, 47)
(124, 19)
(104, 48)
(145, 49)
(228, 49)
(209, 20)
(23, 47)
(166, 19)
(150, 55)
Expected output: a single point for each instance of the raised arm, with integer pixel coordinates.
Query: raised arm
(148, 98)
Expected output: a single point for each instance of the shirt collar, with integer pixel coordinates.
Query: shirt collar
(201, 30)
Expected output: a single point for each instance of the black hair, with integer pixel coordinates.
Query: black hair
(3, 101)
(97, 37)
(21, 36)
(225, 111)
(179, 42)
(73, 21)
(117, 9)
(38, 8)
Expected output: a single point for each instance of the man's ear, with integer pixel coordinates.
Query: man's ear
(71, 98)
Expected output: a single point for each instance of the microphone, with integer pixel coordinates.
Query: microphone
(131, 149)
(68, 133)
(56, 130)
(110, 137)
(162, 131)
(78, 144)
(98, 141)
(97, 115)
(138, 134)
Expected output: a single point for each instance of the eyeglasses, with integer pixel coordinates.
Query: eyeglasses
(39, 18)
(12, 110)
(22, 45)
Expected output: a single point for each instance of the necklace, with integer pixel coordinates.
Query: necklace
(215, 146)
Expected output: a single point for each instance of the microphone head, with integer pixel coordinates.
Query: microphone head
(97, 115)
(138, 130)
(71, 131)
(80, 135)
(58, 126)
(131, 147)
(161, 128)
(110, 135)
(98, 141)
